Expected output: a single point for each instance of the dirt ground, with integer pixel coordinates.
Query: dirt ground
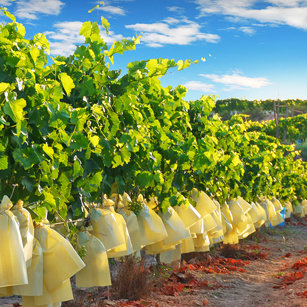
(265, 281)
(272, 272)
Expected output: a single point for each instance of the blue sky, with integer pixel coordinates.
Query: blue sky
(253, 49)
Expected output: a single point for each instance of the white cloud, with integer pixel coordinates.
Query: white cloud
(286, 3)
(5, 2)
(114, 10)
(184, 32)
(235, 80)
(112, 37)
(199, 86)
(29, 9)
(284, 12)
(171, 20)
(247, 30)
(176, 9)
(64, 39)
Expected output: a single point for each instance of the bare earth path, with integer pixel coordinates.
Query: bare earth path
(255, 287)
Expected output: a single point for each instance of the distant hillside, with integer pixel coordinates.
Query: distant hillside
(259, 110)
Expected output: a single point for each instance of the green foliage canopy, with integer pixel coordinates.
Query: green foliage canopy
(74, 129)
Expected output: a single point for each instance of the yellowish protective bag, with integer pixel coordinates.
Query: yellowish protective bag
(13, 270)
(60, 260)
(60, 294)
(201, 243)
(250, 228)
(254, 213)
(133, 228)
(198, 228)
(106, 227)
(246, 207)
(207, 206)
(216, 235)
(231, 234)
(171, 255)
(216, 215)
(188, 214)
(131, 221)
(152, 229)
(257, 215)
(278, 219)
(236, 211)
(262, 214)
(209, 222)
(298, 210)
(227, 227)
(159, 247)
(52, 298)
(242, 222)
(187, 245)
(35, 274)
(242, 227)
(275, 218)
(204, 204)
(176, 231)
(289, 209)
(226, 211)
(96, 273)
(26, 229)
(125, 248)
(231, 237)
(6, 291)
(277, 204)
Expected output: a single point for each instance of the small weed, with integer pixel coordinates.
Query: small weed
(161, 271)
(132, 281)
(279, 274)
(256, 237)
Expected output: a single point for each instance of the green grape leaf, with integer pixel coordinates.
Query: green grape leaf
(14, 108)
(67, 82)
(3, 162)
(86, 29)
(4, 87)
(105, 24)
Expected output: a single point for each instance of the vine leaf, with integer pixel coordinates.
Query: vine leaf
(3, 163)
(67, 82)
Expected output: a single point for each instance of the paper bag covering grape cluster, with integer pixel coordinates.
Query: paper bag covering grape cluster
(37, 262)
